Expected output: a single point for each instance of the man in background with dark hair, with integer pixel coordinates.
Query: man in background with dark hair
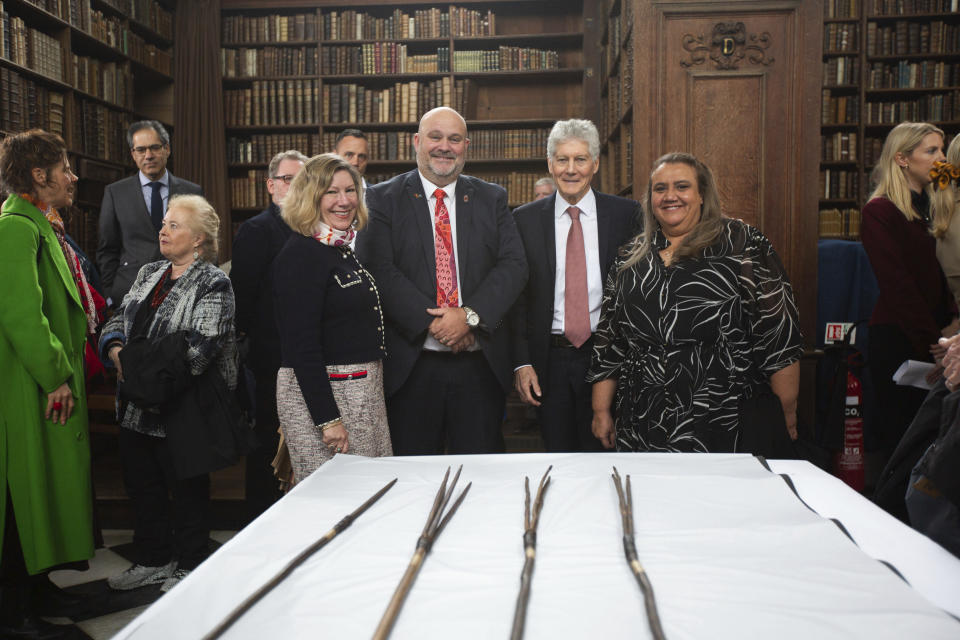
(133, 208)
(352, 147)
(258, 242)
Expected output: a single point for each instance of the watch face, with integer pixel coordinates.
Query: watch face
(472, 318)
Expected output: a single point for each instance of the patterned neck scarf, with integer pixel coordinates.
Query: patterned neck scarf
(86, 295)
(325, 234)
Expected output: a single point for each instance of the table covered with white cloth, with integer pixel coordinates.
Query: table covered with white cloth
(731, 548)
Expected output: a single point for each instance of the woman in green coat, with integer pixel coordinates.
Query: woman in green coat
(45, 316)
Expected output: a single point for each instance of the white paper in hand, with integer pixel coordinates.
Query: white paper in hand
(913, 373)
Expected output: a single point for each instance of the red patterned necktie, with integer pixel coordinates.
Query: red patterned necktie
(576, 304)
(448, 294)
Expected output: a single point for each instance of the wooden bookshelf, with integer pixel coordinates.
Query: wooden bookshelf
(511, 67)
(885, 62)
(616, 63)
(86, 69)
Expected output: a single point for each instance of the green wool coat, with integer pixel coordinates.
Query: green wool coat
(45, 466)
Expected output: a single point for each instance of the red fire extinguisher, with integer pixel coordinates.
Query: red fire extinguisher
(849, 462)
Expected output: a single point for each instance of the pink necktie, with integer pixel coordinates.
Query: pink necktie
(447, 291)
(576, 305)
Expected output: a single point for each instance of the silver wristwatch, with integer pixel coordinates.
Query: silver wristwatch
(473, 319)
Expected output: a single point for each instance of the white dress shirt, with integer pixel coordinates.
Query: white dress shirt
(591, 242)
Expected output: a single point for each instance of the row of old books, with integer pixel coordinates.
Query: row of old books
(403, 102)
(839, 183)
(335, 26)
(268, 61)
(151, 14)
(272, 102)
(147, 54)
(505, 59)
(841, 36)
(381, 58)
(912, 75)
(260, 149)
(841, 8)
(30, 48)
(840, 223)
(906, 7)
(24, 104)
(841, 70)
(99, 131)
(108, 81)
(383, 145)
(509, 143)
(935, 107)
(519, 184)
(838, 147)
(354, 25)
(840, 109)
(76, 12)
(907, 37)
(249, 191)
(619, 162)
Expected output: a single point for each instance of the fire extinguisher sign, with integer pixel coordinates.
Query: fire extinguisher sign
(837, 330)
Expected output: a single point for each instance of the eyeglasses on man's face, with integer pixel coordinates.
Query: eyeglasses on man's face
(287, 179)
(155, 148)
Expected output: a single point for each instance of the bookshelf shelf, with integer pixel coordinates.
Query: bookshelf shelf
(147, 33)
(106, 8)
(528, 40)
(270, 43)
(925, 44)
(102, 87)
(149, 73)
(499, 106)
(36, 76)
(888, 17)
(939, 55)
(540, 75)
(907, 90)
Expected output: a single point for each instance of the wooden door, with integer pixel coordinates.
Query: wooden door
(737, 84)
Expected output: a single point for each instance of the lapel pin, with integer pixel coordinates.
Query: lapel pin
(416, 195)
(466, 198)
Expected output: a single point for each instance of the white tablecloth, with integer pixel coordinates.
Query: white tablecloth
(730, 550)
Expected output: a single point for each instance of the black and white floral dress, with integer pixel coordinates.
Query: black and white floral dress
(687, 342)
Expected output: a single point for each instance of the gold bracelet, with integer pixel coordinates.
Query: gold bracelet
(329, 423)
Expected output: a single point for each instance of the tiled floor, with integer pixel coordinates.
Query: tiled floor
(104, 611)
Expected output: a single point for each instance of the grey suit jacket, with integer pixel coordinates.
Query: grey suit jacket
(126, 237)
(398, 249)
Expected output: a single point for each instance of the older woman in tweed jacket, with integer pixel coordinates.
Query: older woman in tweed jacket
(184, 292)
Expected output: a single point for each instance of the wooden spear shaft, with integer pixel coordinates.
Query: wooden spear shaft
(259, 594)
(436, 521)
(625, 497)
(530, 521)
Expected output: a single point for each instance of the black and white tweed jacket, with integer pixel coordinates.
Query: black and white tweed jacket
(200, 302)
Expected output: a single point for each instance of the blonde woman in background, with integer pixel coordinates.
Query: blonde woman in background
(946, 227)
(915, 307)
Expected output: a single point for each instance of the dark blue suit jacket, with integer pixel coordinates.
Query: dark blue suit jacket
(617, 222)
(258, 242)
(398, 249)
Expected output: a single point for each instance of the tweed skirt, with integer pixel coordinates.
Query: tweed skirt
(362, 409)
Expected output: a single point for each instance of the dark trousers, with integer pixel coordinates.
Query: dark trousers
(262, 487)
(896, 406)
(565, 411)
(450, 402)
(164, 532)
